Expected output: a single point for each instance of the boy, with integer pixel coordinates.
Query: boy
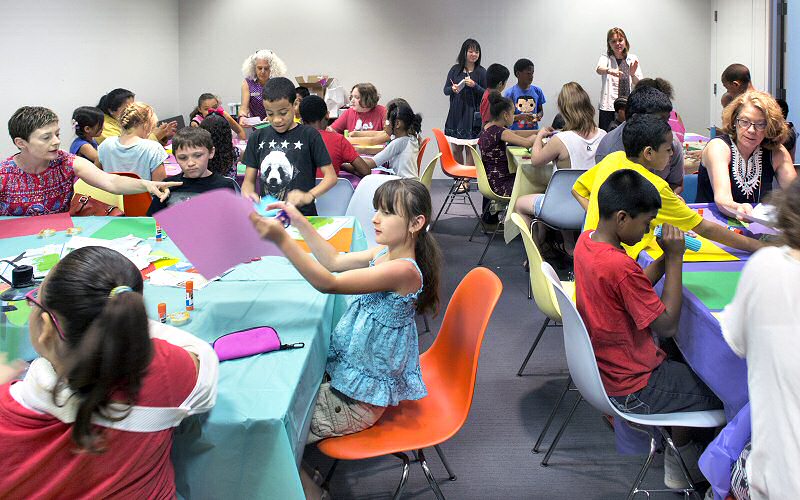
(528, 99)
(620, 108)
(616, 300)
(736, 80)
(193, 147)
(302, 93)
(285, 155)
(648, 148)
(315, 114)
(496, 78)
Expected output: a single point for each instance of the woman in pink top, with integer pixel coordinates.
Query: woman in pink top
(94, 415)
(364, 117)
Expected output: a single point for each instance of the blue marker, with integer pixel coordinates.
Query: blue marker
(692, 244)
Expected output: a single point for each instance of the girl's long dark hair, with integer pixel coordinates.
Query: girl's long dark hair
(107, 344)
(203, 97)
(86, 116)
(469, 43)
(224, 155)
(412, 121)
(113, 100)
(409, 198)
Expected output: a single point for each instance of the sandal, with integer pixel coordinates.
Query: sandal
(462, 188)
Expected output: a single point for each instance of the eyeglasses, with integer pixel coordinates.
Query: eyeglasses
(745, 124)
(33, 298)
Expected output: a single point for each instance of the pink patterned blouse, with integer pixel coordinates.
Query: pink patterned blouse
(49, 192)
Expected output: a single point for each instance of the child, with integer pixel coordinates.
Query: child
(528, 99)
(761, 325)
(302, 93)
(616, 300)
(209, 102)
(400, 155)
(132, 151)
(343, 155)
(496, 78)
(225, 156)
(376, 138)
(648, 149)
(94, 415)
(285, 155)
(364, 116)
(88, 124)
(193, 149)
(373, 359)
(620, 105)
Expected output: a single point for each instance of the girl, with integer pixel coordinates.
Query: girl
(364, 117)
(401, 154)
(465, 98)
(101, 402)
(88, 124)
(373, 360)
(113, 104)
(225, 155)
(257, 69)
(132, 151)
(619, 72)
(208, 102)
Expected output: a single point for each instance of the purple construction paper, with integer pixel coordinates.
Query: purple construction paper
(214, 232)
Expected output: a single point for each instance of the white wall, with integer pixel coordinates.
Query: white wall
(406, 48)
(64, 54)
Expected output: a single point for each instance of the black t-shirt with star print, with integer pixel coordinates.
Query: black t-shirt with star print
(286, 161)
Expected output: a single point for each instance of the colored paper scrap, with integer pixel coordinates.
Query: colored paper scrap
(142, 227)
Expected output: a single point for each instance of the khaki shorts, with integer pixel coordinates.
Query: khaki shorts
(337, 415)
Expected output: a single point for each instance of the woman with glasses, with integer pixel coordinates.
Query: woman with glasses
(738, 167)
(95, 413)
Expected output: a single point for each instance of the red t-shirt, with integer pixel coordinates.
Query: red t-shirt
(49, 192)
(485, 115)
(368, 120)
(38, 456)
(339, 148)
(618, 303)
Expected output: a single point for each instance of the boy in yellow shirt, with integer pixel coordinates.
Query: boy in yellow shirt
(648, 147)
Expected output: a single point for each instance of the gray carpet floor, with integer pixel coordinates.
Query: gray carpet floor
(491, 455)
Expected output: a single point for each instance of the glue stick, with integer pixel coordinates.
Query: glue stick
(190, 295)
(159, 234)
(162, 312)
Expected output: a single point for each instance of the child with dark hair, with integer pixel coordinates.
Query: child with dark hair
(496, 78)
(365, 116)
(314, 113)
(616, 299)
(648, 149)
(791, 140)
(87, 121)
(209, 103)
(193, 149)
(400, 155)
(114, 103)
(302, 93)
(101, 403)
(620, 112)
(223, 162)
(528, 99)
(286, 155)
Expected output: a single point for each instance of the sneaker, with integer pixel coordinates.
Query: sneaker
(673, 477)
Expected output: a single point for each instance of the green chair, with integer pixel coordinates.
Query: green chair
(486, 190)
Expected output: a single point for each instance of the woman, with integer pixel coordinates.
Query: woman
(619, 71)
(465, 84)
(114, 103)
(38, 180)
(572, 147)
(675, 120)
(365, 117)
(257, 69)
(737, 169)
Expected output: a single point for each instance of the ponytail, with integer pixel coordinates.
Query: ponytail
(112, 101)
(498, 104)
(413, 121)
(429, 259)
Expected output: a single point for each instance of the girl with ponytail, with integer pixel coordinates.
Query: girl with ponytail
(109, 382)
(400, 155)
(373, 360)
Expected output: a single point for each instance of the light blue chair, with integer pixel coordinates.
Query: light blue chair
(335, 201)
(360, 205)
(586, 377)
(689, 193)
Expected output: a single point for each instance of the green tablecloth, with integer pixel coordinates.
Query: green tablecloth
(250, 444)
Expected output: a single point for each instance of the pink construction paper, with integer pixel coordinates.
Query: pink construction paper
(214, 232)
(27, 226)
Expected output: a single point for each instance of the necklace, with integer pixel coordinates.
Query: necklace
(747, 175)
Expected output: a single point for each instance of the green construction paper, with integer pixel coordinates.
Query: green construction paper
(318, 221)
(714, 288)
(241, 169)
(142, 227)
(46, 262)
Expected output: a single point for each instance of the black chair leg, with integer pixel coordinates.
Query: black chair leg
(429, 476)
(533, 347)
(552, 448)
(404, 478)
(551, 417)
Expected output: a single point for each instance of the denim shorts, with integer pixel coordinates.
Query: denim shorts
(673, 387)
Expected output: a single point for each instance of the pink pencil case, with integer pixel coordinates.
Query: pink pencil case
(250, 342)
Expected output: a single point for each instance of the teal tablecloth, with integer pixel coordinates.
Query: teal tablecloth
(250, 444)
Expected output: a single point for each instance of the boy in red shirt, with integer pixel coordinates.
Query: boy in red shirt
(616, 300)
(496, 78)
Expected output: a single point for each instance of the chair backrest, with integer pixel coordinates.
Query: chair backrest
(81, 187)
(542, 290)
(452, 360)
(483, 181)
(560, 209)
(426, 178)
(360, 205)
(135, 205)
(448, 161)
(422, 146)
(689, 193)
(580, 353)
(335, 200)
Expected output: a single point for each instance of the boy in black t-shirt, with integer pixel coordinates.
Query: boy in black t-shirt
(193, 148)
(285, 155)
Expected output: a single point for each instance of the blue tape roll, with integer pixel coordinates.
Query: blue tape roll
(691, 243)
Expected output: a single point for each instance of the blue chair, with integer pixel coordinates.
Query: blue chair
(689, 193)
(335, 201)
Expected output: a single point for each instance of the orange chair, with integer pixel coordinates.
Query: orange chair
(422, 147)
(460, 174)
(449, 368)
(135, 205)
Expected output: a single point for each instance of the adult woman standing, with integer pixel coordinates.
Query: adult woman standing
(619, 70)
(465, 84)
(114, 103)
(257, 68)
(737, 169)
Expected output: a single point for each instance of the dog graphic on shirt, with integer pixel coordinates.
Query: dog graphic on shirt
(277, 173)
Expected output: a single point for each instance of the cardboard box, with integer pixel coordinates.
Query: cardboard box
(316, 84)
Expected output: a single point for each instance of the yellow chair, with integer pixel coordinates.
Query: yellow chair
(82, 187)
(486, 190)
(426, 177)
